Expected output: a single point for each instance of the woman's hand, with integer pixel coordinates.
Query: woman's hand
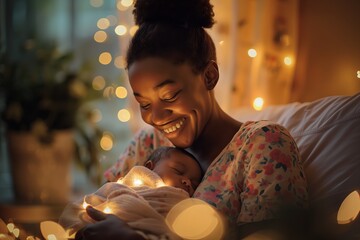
(107, 226)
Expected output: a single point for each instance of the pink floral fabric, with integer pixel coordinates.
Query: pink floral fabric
(259, 171)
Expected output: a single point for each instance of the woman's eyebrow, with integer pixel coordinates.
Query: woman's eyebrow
(166, 82)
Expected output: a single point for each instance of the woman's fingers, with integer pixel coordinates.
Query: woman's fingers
(95, 214)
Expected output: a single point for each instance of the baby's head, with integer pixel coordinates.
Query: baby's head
(176, 167)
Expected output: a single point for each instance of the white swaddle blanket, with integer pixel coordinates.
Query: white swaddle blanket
(141, 199)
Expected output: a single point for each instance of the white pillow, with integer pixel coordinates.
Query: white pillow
(327, 132)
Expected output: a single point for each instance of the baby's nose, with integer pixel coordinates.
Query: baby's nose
(186, 182)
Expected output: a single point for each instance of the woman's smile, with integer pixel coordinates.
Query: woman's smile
(174, 126)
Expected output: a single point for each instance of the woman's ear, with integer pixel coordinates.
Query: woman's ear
(149, 164)
(211, 74)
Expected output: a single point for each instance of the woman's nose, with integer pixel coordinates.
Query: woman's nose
(160, 114)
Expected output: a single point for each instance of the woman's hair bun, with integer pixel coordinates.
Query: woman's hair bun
(197, 13)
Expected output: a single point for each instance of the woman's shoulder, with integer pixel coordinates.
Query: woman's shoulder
(253, 128)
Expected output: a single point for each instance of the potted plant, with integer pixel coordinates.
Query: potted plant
(42, 95)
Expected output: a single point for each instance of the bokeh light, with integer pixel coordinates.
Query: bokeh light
(120, 30)
(103, 23)
(126, 3)
(124, 115)
(105, 58)
(98, 83)
(252, 53)
(96, 3)
(133, 30)
(258, 103)
(106, 142)
(100, 36)
(121, 92)
(195, 219)
(349, 208)
(287, 61)
(109, 92)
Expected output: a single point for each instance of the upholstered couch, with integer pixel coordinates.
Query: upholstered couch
(327, 132)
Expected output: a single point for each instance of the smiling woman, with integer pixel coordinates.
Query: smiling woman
(253, 171)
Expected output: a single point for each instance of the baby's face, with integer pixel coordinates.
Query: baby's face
(179, 170)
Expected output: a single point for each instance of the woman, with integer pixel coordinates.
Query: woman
(252, 169)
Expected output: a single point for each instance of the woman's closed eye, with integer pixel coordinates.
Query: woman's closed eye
(170, 97)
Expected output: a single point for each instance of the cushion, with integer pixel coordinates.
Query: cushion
(327, 132)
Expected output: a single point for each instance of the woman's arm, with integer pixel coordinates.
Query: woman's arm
(107, 226)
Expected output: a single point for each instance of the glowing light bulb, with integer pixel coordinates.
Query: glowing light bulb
(349, 208)
(133, 30)
(124, 115)
(107, 210)
(120, 30)
(85, 204)
(258, 103)
(252, 53)
(358, 74)
(103, 23)
(287, 61)
(105, 58)
(121, 92)
(100, 36)
(138, 182)
(106, 142)
(126, 3)
(98, 83)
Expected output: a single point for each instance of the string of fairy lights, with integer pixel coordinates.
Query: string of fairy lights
(106, 26)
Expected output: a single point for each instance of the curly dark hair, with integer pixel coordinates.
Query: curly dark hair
(175, 30)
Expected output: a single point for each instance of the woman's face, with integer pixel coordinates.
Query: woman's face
(172, 98)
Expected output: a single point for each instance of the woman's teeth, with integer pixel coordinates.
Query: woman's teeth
(175, 126)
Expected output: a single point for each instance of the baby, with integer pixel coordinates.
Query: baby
(144, 196)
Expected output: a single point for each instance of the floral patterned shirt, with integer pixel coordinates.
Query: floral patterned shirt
(258, 172)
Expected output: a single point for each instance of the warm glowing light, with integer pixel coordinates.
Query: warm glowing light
(287, 61)
(103, 23)
(138, 182)
(96, 3)
(349, 208)
(252, 53)
(195, 219)
(126, 3)
(121, 7)
(121, 92)
(105, 58)
(120, 30)
(358, 74)
(12, 229)
(124, 115)
(119, 62)
(98, 83)
(258, 103)
(120, 181)
(106, 142)
(133, 30)
(221, 43)
(85, 204)
(107, 210)
(100, 36)
(52, 230)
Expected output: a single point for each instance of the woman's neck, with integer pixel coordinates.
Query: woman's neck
(216, 134)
